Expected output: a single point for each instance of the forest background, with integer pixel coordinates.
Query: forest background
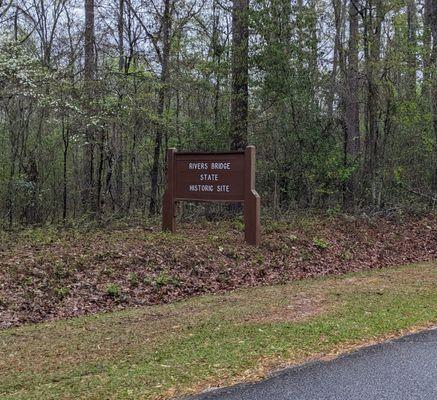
(338, 96)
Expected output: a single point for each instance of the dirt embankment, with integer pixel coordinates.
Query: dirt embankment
(70, 273)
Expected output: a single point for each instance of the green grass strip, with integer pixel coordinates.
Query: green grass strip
(156, 352)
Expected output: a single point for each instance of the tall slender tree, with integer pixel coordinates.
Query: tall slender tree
(240, 74)
(162, 102)
(412, 48)
(433, 66)
(337, 58)
(352, 142)
(352, 102)
(374, 16)
(117, 139)
(89, 74)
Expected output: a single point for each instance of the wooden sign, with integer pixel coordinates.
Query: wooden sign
(228, 177)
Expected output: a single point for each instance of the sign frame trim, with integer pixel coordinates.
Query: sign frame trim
(250, 198)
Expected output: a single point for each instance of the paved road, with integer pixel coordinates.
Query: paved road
(403, 369)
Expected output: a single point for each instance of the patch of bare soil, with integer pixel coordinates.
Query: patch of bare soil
(83, 273)
(299, 308)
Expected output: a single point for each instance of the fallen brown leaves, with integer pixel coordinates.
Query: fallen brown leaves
(83, 273)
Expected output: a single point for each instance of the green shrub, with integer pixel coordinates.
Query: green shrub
(320, 243)
(113, 290)
(133, 279)
(163, 279)
(62, 292)
(239, 224)
(148, 280)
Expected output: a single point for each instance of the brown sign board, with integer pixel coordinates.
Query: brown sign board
(223, 177)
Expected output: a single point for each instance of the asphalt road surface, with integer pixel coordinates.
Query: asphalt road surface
(403, 369)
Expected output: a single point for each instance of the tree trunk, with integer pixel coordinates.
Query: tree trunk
(352, 105)
(162, 95)
(240, 74)
(372, 54)
(352, 143)
(412, 49)
(117, 145)
(426, 47)
(99, 199)
(216, 57)
(89, 71)
(66, 141)
(337, 5)
(433, 69)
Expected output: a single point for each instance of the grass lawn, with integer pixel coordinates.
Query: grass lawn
(167, 350)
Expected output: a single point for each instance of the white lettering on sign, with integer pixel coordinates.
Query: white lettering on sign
(221, 165)
(213, 166)
(201, 188)
(209, 177)
(197, 165)
(223, 188)
(210, 188)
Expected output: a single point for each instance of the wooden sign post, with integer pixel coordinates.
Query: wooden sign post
(224, 177)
